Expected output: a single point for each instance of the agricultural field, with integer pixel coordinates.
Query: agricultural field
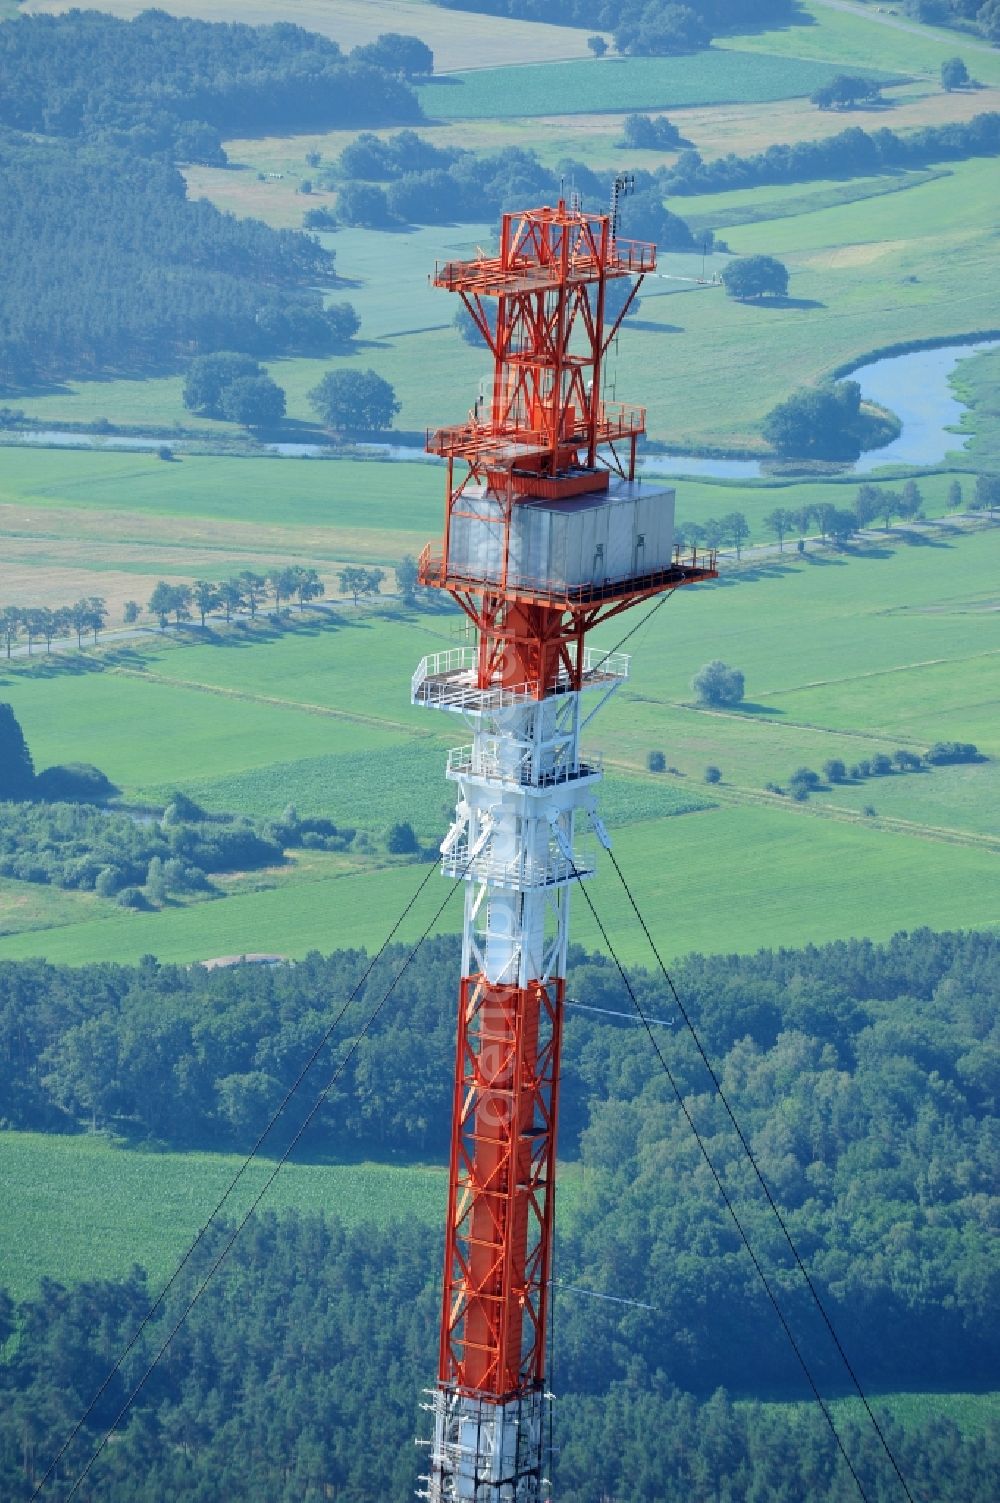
(892, 659)
(876, 269)
(972, 1412)
(85, 1207)
(631, 83)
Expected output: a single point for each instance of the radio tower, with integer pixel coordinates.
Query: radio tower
(547, 534)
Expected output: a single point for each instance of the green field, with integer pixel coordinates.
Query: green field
(972, 1412)
(843, 657)
(872, 271)
(84, 1208)
(856, 37)
(625, 83)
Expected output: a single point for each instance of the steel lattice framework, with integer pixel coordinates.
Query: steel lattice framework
(536, 554)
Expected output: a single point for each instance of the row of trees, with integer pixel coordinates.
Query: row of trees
(853, 151)
(804, 780)
(247, 591)
(732, 529)
(41, 623)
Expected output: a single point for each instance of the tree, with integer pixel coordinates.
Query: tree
(397, 53)
(364, 205)
(11, 618)
(954, 74)
(205, 595)
(889, 506)
(354, 401)
(17, 771)
(131, 612)
(910, 502)
(169, 600)
(650, 133)
(319, 218)
(736, 529)
(715, 684)
(840, 525)
(343, 323)
(79, 616)
(657, 30)
(253, 401)
(712, 774)
(867, 504)
(406, 578)
(845, 90)
(209, 375)
(401, 841)
(834, 770)
(97, 615)
(656, 761)
(755, 276)
(955, 496)
(713, 532)
(818, 422)
(987, 494)
(231, 597)
(254, 587)
(282, 582)
(356, 581)
(597, 45)
(780, 522)
(307, 586)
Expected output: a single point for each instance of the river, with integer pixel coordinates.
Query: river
(913, 386)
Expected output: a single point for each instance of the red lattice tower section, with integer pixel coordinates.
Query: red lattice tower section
(547, 532)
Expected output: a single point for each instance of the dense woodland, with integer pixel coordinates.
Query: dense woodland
(668, 26)
(867, 1078)
(143, 84)
(645, 26)
(109, 266)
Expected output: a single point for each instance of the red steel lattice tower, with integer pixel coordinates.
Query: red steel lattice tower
(548, 532)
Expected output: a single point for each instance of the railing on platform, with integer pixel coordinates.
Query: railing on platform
(518, 875)
(488, 276)
(482, 441)
(463, 762)
(685, 568)
(447, 680)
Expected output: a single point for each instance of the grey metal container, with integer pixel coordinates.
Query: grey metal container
(600, 537)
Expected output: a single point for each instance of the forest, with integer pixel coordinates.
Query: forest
(865, 1076)
(151, 276)
(644, 26)
(135, 84)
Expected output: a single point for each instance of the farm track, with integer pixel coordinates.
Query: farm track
(734, 794)
(274, 701)
(783, 724)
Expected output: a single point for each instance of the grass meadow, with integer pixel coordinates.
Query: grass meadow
(843, 656)
(715, 76)
(84, 1207)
